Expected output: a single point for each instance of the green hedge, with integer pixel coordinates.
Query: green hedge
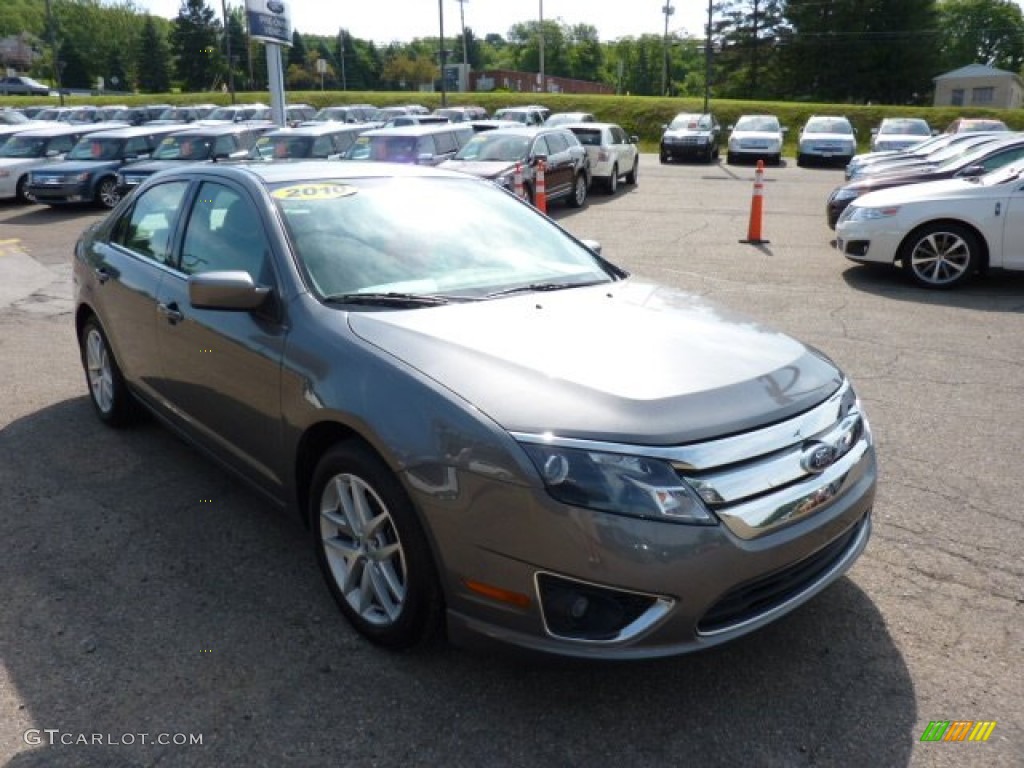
(642, 116)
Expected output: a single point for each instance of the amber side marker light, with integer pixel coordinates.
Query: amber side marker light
(497, 593)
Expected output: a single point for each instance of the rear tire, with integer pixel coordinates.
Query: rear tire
(372, 549)
(612, 183)
(579, 191)
(632, 175)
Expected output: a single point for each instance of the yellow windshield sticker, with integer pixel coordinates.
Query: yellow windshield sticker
(314, 191)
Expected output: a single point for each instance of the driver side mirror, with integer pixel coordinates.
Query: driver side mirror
(226, 290)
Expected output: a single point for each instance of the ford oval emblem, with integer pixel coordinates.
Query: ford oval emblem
(817, 457)
(275, 6)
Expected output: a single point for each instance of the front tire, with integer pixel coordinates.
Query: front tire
(372, 550)
(941, 255)
(108, 392)
(107, 195)
(21, 193)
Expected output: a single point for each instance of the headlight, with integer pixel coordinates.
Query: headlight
(864, 213)
(844, 193)
(84, 176)
(636, 486)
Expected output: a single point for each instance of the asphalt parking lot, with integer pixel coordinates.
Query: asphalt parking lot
(147, 592)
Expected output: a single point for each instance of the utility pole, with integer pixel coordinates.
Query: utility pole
(341, 55)
(707, 60)
(442, 55)
(54, 51)
(465, 45)
(668, 10)
(543, 85)
(227, 50)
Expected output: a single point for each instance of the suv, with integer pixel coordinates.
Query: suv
(89, 172)
(524, 115)
(899, 133)
(691, 135)
(826, 139)
(194, 144)
(319, 141)
(420, 144)
(612, 153)
(28, 150)
(495, 155)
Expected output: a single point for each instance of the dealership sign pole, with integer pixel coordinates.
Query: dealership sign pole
(270, 22)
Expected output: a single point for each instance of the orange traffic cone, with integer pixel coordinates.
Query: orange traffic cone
(756, 208)
(517, 181)
(540, 194)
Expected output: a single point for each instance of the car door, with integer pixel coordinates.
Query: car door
(560, 162)
(221, 368)
(1013, 229)
(624, 149)
(129, 266)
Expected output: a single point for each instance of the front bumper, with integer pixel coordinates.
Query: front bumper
(680, 588)
(869, 241)
(686, 147)
(58, 192)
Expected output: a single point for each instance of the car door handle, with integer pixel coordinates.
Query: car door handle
(171, 312)
(101, 274)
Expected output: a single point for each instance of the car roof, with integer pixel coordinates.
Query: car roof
(275, 173)
(318, 129)
(213, 129)
(66, 128)
(132, 131)
(414, 130)
(586, 126)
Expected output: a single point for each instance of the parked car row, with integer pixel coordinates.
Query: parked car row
(943, 210)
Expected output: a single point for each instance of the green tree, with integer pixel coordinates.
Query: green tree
(586, 57)
(882, 51)
(152, 60)
(524, 40)
(981, 32)
(195, 42)
(297, 55)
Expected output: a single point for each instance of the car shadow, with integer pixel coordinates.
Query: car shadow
(995, 291)
(45, 215)
(148, 592)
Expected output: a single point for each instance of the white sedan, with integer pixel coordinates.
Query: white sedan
(756, 137)
(612, 153)
(941, 232)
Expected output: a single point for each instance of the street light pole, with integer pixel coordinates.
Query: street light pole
(54, 52)
(668, 10)
(227, 50)
(465, 44)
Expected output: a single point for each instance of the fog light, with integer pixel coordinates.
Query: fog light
(579, 611)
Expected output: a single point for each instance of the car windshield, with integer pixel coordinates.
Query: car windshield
(954, 154)
(494, 147)
(282, 147)
(690, 122)
(49, 114)
(398, 236)
(10, 117)
(96, 149)
(125, 115)
(1005, 175)
(183, 148)
(327, 114)
(758, 123)
(828, 125)
(392, 149)
(905, 128)
(23, 146)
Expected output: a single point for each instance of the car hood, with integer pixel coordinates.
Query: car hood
(152, 166)
(18, 163)
(912, 175)
(826, 137)
(677, 133)
(629, 362)
(929, 193)
(79, 166)
(488, 169)
(757, 135)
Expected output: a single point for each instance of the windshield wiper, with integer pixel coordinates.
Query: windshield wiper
(391, 298)
(541, 287)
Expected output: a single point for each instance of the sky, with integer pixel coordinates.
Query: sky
(404, 20)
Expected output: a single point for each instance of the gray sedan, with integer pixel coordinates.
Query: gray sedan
(486, 426)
